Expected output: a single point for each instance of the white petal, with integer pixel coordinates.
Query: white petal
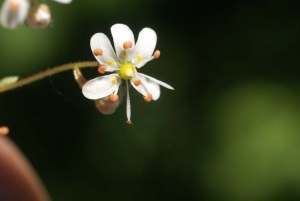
(122, 33)
(144, 48)
(101, 86)
(148, 86)
(12, 18)
(63, 1)
(100, 41)
(157, 81)
(140, 88)
(128, 106)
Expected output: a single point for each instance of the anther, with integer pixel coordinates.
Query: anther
(137, 82)
(127, 45)
(14, 6)
(156, 54)
(148, 98)
(113, 97)
(129, 122)
(4, 130)
(102, 69)
(98, 52)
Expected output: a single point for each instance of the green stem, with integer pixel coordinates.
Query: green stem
(47, 73)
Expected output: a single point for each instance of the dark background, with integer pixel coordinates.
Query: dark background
(229, 131)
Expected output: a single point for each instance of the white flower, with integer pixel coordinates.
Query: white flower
(39, 16)
(128, 57)
(14, 12)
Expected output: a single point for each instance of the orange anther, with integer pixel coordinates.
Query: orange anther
(102, 69)
(14, 6)
(113, 97)
(148, 98)
(156, 54)
(137, 82)
(129, 122)
(127, 45)
(4, 130)
(98, 52)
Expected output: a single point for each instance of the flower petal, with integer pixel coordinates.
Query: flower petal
(101, 86)
(144, 47)
(14, 12)
(108, 57)
(63, 1)
(122, 33)
(157, 81)
(140, 88)
(146, 86)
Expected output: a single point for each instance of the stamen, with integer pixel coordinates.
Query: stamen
(129, 122)
(148, 98)
(113, 97)
(127, 45)
(156, 54)
(4, 130)
(14, 6)
(137, 82)
(98, 52)
(102, 69)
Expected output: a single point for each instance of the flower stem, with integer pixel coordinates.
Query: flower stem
(47, 73)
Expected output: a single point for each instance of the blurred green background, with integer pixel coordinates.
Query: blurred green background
(229, 131)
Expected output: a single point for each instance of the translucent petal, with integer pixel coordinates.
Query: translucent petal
(122, 33)
(14, 12)
(108, 57)
(157, 81)
(101, 86)
(144, 48)
(63, 1)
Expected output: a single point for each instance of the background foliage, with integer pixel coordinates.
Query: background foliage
(229, 131)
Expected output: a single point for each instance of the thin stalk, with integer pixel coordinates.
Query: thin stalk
(47, 73)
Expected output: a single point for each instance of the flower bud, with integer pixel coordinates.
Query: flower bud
(39, 16)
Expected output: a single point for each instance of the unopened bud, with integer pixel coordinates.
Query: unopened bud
(39, 16)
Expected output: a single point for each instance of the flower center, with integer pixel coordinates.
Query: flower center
(126, 70)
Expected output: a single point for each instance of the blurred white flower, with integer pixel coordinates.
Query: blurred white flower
(15, 12)
(124, 62)
(39, 16)
(63, 1)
